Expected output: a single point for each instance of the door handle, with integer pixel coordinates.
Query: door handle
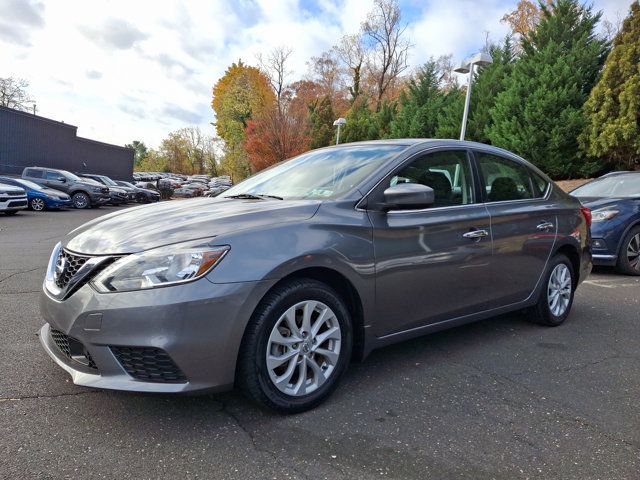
(545, 226)
(475, 234)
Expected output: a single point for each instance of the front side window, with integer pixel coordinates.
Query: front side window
(504, 179)
(447, 173)
(53, 176)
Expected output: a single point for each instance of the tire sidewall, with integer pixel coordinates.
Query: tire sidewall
(306, 291)
(623, 263)
(543, 305)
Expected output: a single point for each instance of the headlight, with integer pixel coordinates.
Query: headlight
(160, 267)
(603, 214)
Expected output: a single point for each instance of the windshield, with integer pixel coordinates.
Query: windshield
(108, 181)
(325, 173)
(29, 184)
(126, 184)
(615, 186)
(72, 177)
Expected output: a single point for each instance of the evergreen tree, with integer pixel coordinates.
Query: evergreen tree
(488, 84)
(420, 105)
(539, 115)
(361, 123)
(321, 119)
(450, 115)
(613, 108)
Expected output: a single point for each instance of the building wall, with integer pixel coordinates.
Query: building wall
(28, 140)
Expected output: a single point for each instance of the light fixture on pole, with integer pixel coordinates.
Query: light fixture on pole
(338, 123)
(480, 59)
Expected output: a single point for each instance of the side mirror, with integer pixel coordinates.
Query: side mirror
(405, 196)
(62, 179)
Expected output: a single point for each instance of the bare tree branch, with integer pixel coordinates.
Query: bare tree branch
(274, 67)
(13, 94)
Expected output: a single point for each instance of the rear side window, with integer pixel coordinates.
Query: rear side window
(504, 179)
(540, 185)
(33, 173)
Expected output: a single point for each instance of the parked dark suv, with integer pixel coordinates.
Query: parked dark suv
(84, 192)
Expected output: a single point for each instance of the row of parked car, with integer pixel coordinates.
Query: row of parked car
(186, 186)
(48, 188)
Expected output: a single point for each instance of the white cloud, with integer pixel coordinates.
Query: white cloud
(124, 70)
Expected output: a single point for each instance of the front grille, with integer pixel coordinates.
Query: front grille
(149, 364)
(71, 264)
(72, 348)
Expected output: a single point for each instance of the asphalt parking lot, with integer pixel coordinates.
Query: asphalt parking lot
(501, 398)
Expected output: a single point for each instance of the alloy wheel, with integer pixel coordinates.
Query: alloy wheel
(633, 252)
(80, 200)
(37, 204)
(559, 290)
(303, 348)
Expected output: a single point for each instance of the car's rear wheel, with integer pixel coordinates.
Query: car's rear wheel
(556, 297)
(37, 204)
(629, 257)
(80, 200)
(296, 347)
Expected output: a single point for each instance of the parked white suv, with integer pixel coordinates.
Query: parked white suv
(12, 199)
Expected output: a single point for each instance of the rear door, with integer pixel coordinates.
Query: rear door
(431, 264)
(523, 224)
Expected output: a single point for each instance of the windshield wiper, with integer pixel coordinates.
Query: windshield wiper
(254, 196)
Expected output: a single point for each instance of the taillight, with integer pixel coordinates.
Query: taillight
(587, 215)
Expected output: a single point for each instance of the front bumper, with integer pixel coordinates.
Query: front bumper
(199, 325)
(51, 203)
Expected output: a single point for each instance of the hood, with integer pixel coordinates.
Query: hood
(11, 190)
(594, 203)
(141, 228)
(54, 193)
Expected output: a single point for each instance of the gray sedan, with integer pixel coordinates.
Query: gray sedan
(277, 284)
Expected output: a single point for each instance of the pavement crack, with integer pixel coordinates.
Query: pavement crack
(254, 443)
(19, 273)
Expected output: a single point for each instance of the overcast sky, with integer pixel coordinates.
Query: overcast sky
(135, 69)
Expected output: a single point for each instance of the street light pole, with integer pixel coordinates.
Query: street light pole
(338, 123)
(467, 100)
(479, 59)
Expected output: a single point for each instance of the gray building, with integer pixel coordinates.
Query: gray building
(27, 140)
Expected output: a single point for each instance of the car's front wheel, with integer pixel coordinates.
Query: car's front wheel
(629, 258)
(81, 200)
(556, 297)
(37, 204)
(296, 346)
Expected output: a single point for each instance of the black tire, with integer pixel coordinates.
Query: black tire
(11, 212)
(252, 373)
(542, 313)
(141, 198)
(628, 261)
(81, 200)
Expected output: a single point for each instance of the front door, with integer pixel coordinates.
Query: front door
(432, 264)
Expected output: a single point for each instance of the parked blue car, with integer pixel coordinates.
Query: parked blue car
(614, 200)
(40, 197)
